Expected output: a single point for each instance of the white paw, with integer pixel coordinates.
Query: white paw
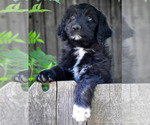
(81, 114)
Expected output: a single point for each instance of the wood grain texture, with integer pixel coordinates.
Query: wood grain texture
(113, 104)
(13, 105)
(37, 26)
(50, 28)
(42, 105)
(65, 103)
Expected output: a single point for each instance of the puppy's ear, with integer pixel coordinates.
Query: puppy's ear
(104, 31)
(61, 29)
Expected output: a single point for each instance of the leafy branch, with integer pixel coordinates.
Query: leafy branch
(39, 61)
(33, 38)
(7, 38)
(37, 8)
(12, 62)
(15, 8)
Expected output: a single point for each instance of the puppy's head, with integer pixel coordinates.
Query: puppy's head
(84, 24)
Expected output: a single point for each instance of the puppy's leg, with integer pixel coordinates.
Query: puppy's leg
(84, 92)
(54, 74)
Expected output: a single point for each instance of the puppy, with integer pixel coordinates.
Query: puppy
(85, 57)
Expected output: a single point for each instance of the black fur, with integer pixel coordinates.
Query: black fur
(94, 67)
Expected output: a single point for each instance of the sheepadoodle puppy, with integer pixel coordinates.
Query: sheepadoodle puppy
(85, 57)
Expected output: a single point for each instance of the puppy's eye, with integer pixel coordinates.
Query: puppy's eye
(89, 18)
(72, 17)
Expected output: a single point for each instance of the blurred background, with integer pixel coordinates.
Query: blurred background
(136, 41)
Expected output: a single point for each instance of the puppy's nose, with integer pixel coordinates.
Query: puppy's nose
(76, 27)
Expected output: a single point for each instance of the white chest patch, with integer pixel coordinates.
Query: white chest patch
(80, 52)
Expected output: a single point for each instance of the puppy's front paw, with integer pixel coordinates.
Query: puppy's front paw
(81, 114)
(21, 77)
(44, 77)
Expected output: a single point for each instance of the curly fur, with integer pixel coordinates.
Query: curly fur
(85, 57)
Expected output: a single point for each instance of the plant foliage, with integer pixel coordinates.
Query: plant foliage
(13, 8)
(37, 8)
(33, 37)
(16, 8)
(12, 62)
(39, 61)
(7, 38)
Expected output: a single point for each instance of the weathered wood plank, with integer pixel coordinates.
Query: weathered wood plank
(116, 40)
(13, 105)
(42, 105)
(18, 23)
(59, 12)
(3, 21)
(50, 29)
(65, 96)
(3, 17)
(38, 22)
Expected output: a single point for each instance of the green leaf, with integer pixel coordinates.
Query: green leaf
(19, 40)
(30, 33)
(9, 40)
(10, 7)
(17, 6)
(41, 10)
(15, 36)
(35, 6)
(32, 38)
(8, 35)
(38, 36)
(39, 6)
(4, 78)
(31, 78)
(40, 40)
(2, 33)
(33, 35)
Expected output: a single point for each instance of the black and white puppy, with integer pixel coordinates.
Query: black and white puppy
(85, 57)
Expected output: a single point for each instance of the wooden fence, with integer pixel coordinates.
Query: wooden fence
(113, 104)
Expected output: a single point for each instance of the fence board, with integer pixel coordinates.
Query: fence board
(42, 105)
(116, 22)
(65, 103)
(59, 10)
(38, 24)
(50, 27)
(13, 105)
